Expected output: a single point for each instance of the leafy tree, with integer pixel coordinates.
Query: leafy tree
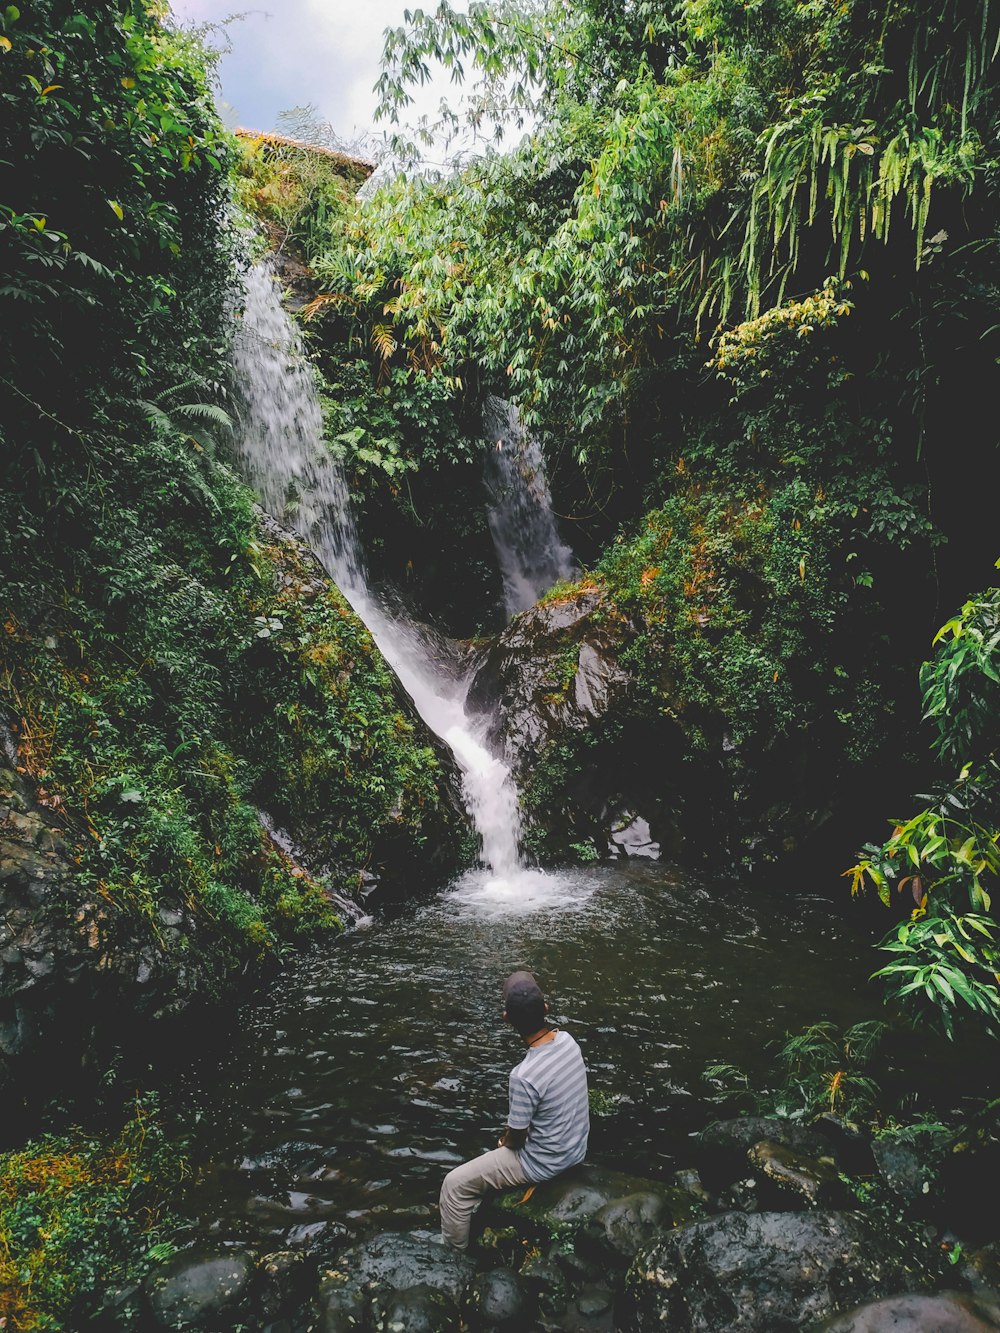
(946, 957)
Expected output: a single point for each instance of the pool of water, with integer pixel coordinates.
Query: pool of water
(365, 1072)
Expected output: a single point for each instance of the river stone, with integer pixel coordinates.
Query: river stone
(339, 1305)
(200, 1290)
(616, 1232)
(285, 1277)
(725, 1144)
(983, 1267)
(545, 1280)
(767, 1272)
(396, 1261)
(498, 1300)
(902, 1169)
(942, 1312)
(418, 1309)
(594, 1301)
(792, 1180)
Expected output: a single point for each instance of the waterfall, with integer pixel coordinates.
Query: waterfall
(282, 454)
(530, 553)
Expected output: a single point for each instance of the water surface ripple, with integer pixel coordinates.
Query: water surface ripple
(367, 1070)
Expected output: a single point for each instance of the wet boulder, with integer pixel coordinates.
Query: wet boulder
(546, 1282)
(201, 1290)
(340, 1305)
(902, 1169)
(419, 1309)
(285, 1278)
(399, 1260)
(767, 1272)
(787, 1179)
(614, 1235)
(724, 1145)
(942, 1312)
(499, 1300)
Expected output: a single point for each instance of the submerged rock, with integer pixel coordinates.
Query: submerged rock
(943, 1312)
(766, 1272)
(200, 1290)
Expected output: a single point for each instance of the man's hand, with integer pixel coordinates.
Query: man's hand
(514, 1139)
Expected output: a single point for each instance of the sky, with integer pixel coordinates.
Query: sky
(324, 52)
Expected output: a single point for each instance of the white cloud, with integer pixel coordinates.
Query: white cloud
(325, 52)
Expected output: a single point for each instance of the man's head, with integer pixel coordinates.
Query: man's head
(523, 1002)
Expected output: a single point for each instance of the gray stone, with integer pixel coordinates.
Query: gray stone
(594, 1300)
(418, 1309)
(557, 1208)
(983, 1267)
(398, 1260)
(339, 1304)
(498, 1300)
(545, 1280)
(902, 1169)
(200, 1290)
(768, 1272)
(943, 1312)
(618, 1230)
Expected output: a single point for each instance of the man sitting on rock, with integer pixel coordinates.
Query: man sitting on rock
(548, 1121)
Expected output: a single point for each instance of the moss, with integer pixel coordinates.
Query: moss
(80, 1215)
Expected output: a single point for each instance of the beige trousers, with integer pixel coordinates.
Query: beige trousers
(466, 1185)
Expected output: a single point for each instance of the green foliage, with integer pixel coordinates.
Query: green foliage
(682, 167)
(80, 1215)
(115, 177)
(303, 194)
(946, 958)
(821, 1069)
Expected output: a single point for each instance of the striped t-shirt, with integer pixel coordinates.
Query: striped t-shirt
(548, 1097)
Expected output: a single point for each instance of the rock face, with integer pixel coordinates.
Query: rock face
(63, 962)
(558, 685)
(555, 669)
(765, 1272)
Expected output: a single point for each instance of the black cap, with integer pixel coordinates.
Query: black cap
(524, 1002)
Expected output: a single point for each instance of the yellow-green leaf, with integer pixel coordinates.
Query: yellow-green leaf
(117, 209)
(6, 44)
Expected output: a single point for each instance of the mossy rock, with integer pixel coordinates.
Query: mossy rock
(556, 1209)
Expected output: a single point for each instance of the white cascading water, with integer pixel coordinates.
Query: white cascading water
(530, 553)
(280, 449)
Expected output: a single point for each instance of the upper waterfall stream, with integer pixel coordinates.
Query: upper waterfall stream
(530, 553)
(282, 453)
